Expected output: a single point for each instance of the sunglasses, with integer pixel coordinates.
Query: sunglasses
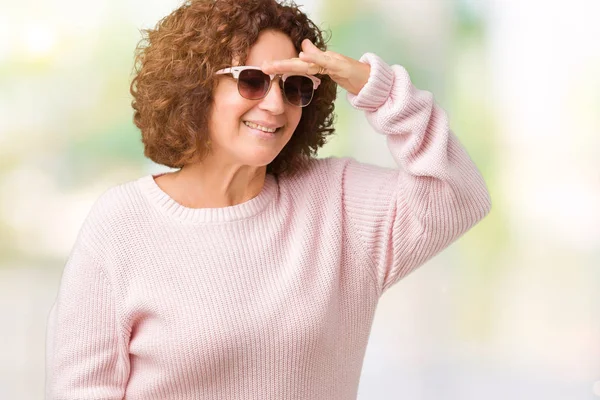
(253, 84)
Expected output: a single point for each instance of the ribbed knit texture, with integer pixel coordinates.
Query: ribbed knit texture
(269, 299)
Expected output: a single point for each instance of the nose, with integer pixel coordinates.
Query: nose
(274, 101)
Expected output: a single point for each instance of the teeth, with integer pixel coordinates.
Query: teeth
(259, 127)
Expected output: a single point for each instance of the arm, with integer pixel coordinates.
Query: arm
(87, 354)
(406, 216)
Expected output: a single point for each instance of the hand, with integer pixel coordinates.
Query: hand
(348, 73)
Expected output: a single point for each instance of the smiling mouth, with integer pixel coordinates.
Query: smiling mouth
(265, 129)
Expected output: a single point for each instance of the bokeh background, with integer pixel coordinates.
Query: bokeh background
(510, 311)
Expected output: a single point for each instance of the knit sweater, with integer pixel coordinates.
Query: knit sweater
(272, 298)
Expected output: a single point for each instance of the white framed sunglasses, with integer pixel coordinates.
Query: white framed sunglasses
(253, 84)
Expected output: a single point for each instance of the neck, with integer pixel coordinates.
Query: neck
(204, 186)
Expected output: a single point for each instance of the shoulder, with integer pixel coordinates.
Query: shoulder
(112, 214)
(333, 172)
(320, 179)
(317, 170)
(119, 201)
(338, 180)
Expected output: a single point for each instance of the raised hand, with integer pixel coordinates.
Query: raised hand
(348, 73)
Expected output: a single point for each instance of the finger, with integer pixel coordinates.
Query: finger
(328, 62)
(309, 47)
(290, 66)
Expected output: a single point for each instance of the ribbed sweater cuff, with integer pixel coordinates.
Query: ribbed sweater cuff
(378, 87)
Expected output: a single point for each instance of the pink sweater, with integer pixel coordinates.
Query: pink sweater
(269, 299)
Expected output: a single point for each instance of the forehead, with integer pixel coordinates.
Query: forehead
(271, 45)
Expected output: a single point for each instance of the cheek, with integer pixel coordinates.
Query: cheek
(226, 102)
(228, 108)
(293, 116)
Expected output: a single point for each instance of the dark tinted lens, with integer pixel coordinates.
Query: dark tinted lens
(253, 84)
(298, 90)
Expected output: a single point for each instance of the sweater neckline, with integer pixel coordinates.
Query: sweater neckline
(171, 208)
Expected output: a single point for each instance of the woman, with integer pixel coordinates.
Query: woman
(254, 270)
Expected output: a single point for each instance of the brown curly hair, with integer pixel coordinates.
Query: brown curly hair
(174, 78)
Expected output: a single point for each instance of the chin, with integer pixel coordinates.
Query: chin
(261, 154)
(260, 160)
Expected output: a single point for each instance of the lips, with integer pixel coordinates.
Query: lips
(263, 126)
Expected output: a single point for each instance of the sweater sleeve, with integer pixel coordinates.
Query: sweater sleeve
(405, 216)
(86, 354)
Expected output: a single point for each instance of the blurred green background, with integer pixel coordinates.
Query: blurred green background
(510, 311)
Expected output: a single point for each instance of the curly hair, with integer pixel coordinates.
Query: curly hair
(174, 78)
